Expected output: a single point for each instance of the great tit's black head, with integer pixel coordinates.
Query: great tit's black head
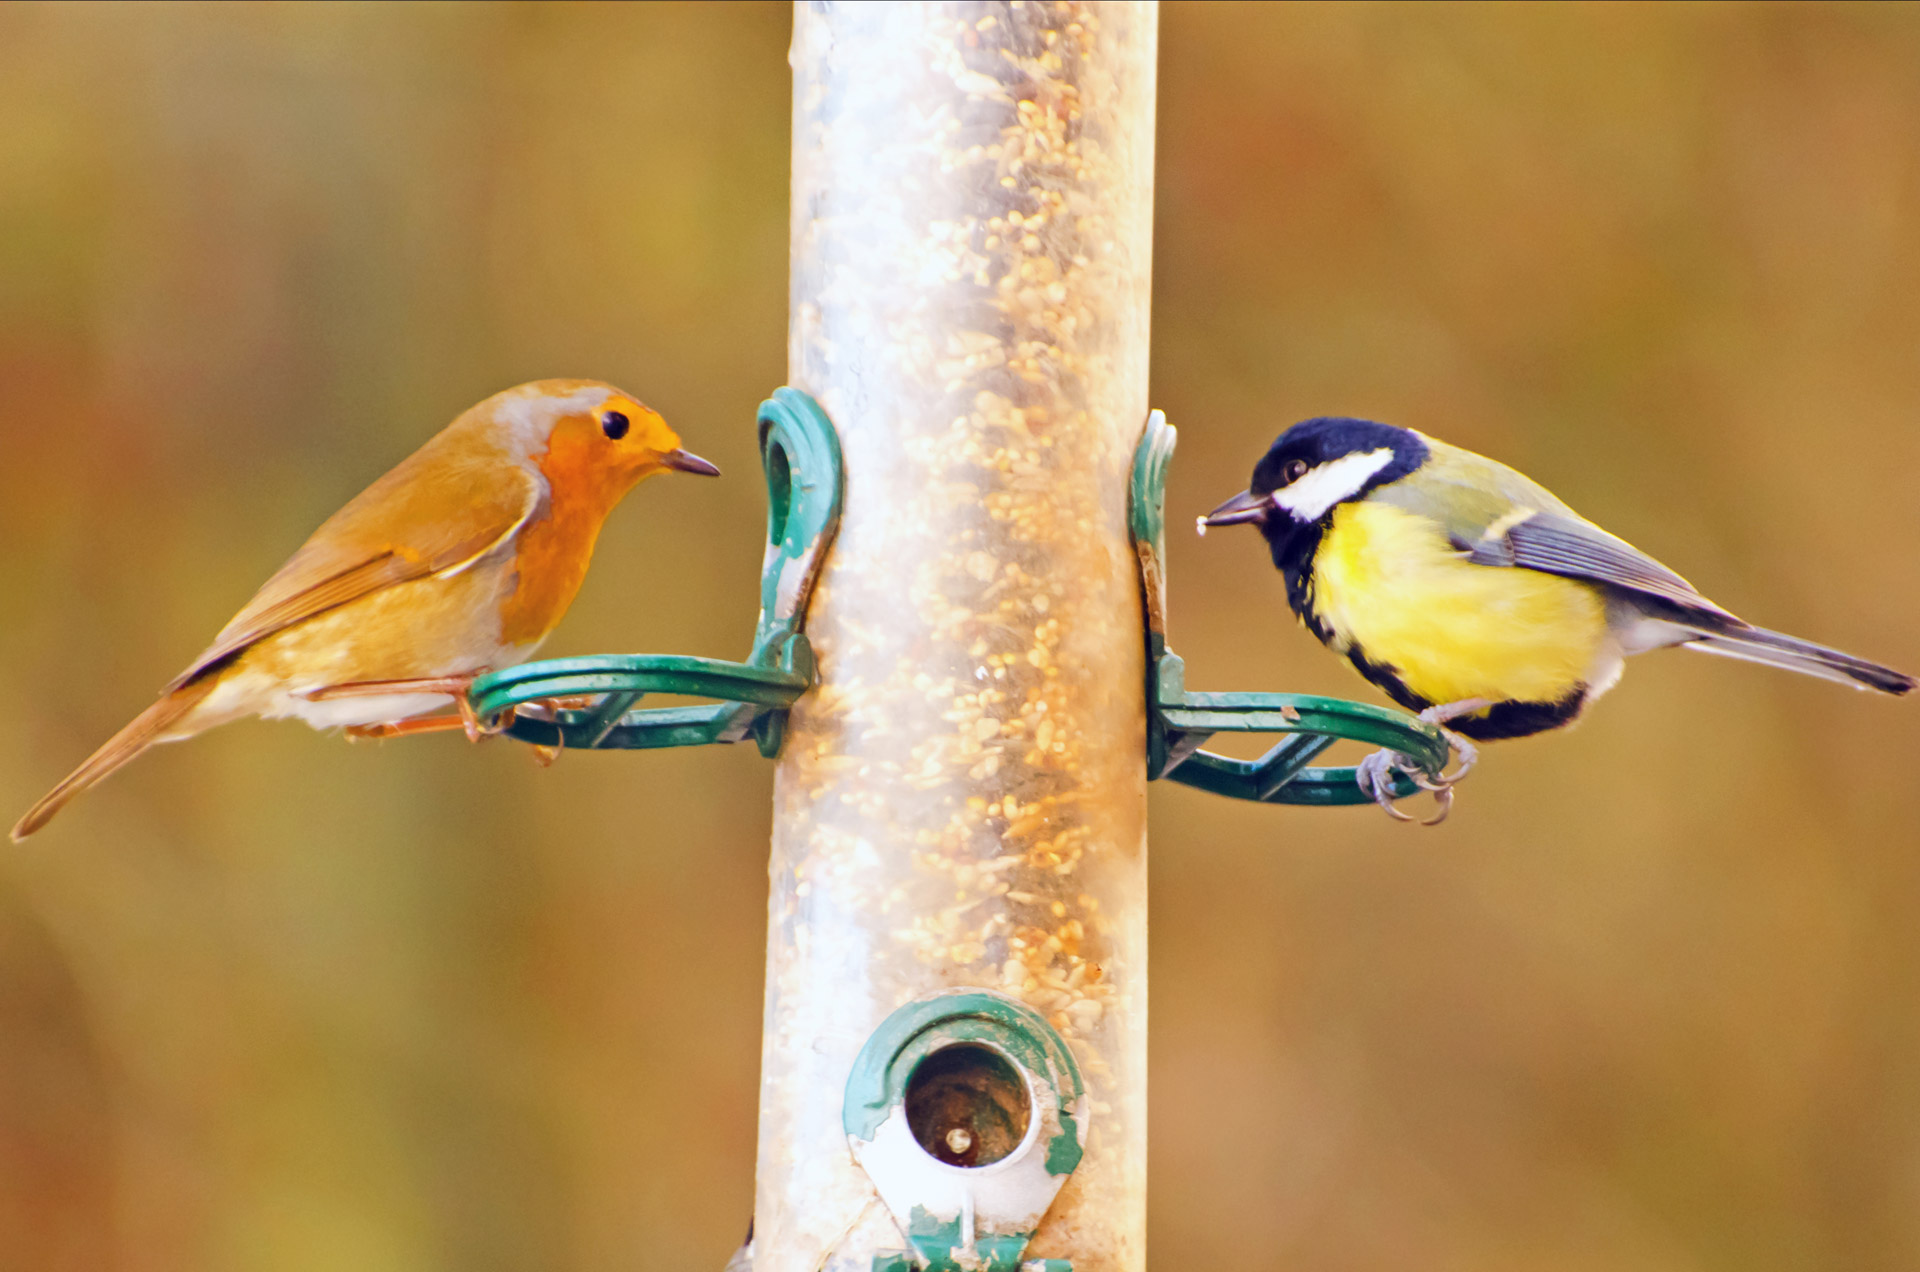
(1322, 462)
(1310, 469)
(1315, 466)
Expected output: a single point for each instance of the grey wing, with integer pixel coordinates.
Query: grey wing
(1568, 546)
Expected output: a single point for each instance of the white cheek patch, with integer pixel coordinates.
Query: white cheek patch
(1327, 484)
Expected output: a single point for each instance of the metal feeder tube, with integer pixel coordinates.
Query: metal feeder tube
(961, 801)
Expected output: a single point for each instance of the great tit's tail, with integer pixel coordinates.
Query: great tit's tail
(1757, 644)
(150, 726)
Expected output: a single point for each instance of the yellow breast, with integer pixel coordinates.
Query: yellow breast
(1389, 586)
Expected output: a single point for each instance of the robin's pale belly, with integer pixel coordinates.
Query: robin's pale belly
(423, 629)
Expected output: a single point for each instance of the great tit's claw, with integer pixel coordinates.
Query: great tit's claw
(1385, 800)
(1374, 776)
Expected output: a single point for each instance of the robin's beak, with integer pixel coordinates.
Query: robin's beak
(1245, 506)
(685, 462)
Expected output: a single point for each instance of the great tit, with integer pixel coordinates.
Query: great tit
(1472, 595)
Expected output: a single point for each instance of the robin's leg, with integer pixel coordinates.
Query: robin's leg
(456, 687)
(405, 728)
(544, 708)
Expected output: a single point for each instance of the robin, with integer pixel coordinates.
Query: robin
(458, 562)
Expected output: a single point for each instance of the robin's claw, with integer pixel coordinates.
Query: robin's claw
(469, 718)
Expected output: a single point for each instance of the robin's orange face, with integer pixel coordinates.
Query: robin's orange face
(601, 454)
(634, 434)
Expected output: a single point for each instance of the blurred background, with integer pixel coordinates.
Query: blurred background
(1650, 1000)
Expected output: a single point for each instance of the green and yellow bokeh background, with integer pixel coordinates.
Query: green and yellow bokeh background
(1651, 1000)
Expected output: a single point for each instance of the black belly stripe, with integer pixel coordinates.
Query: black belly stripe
(1387, 678)
(1519, 719)
(1510, 719)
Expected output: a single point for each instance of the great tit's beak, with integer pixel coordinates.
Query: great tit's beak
(1245, 506)
(685, 462)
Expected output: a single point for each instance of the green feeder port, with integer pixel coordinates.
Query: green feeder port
(967, 1112)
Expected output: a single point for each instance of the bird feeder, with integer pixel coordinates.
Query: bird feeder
(961, 802)
(964, 1113)
(961, 663)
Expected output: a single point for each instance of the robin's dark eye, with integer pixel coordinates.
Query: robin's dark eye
(1294, 471)
(615, 424)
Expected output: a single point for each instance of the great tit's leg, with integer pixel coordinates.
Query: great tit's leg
(1468, 753)
(456, 687)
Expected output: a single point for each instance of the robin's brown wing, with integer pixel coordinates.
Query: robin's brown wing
(433, 514)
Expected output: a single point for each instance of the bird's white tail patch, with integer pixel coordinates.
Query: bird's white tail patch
(1323, 486)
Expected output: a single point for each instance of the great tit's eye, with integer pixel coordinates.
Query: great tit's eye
(614, 424)
(1294, 471)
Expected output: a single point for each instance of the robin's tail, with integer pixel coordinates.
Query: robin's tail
(147, 728)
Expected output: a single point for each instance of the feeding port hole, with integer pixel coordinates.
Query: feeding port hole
(967, 1106)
